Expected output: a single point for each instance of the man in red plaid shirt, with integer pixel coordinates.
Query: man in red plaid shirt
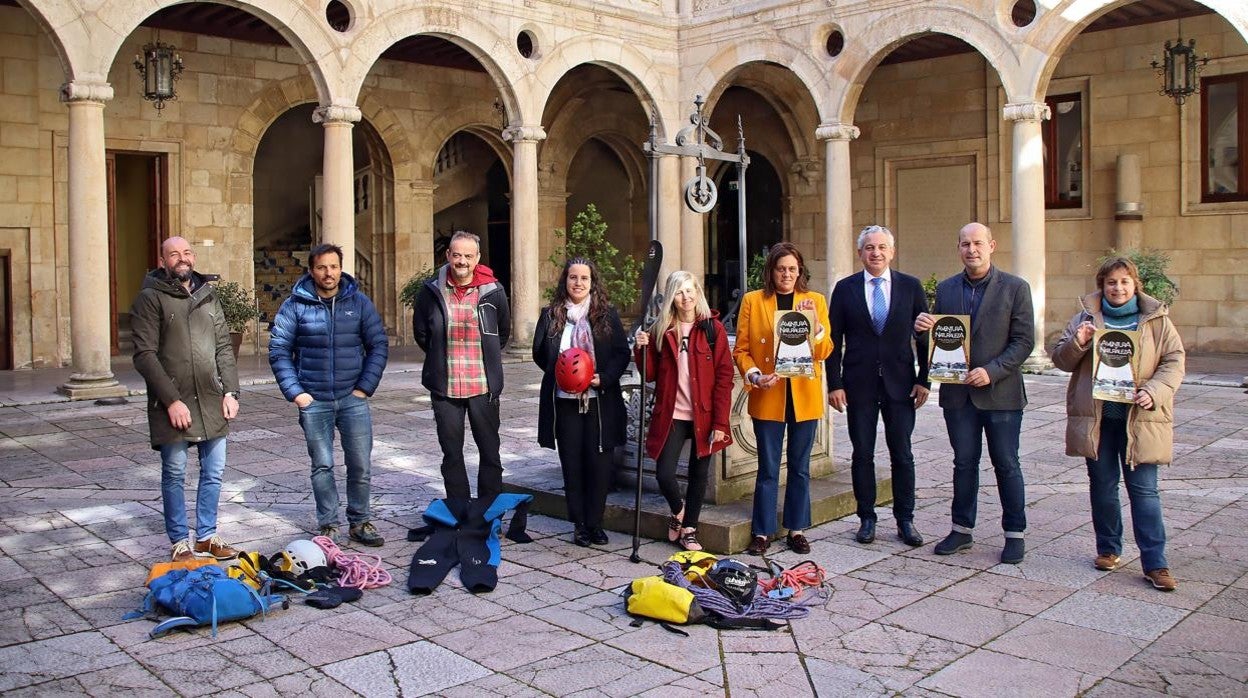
(462, 322)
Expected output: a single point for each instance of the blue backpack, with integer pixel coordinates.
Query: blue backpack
(203, 596)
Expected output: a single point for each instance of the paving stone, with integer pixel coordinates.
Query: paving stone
(1231, 603)
(689, 655)
(921, 575)
(57, 658)
(865, 599)
(129, 680)
(878, 658)
(1088, 651)
(222, 665)
(594, 670)
(309, 682)
(414, 669)
(1203, 656)
(530, 640)
(303, 632)
(1059, 571)
(956, 621)
(766, 675)
(39, 622)
(492, 686)
(991, 674)
(1117, 689)
(1114, 614)
(1006, 593)
(600, 616)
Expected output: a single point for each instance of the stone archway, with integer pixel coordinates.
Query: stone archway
(382, 197)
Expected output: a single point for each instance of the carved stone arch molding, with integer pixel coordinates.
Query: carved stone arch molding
(278, 98)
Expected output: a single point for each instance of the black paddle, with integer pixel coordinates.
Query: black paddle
(649, 278)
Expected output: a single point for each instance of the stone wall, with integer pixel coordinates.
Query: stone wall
(950, 105)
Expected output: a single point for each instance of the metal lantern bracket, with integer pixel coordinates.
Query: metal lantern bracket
(700, 193)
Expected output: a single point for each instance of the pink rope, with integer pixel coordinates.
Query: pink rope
(359, 571)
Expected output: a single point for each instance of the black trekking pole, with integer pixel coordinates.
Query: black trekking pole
(649, 277)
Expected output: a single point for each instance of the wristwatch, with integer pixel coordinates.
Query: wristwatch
(233, 394)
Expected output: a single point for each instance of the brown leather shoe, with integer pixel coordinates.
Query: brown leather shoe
(1162, 579)
(182, 552)
(798, 543)
(1107, 562)
(214, 547)
(758, 545)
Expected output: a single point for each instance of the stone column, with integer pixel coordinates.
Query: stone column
(692, 226)
(670, 202)
(338, 180)
(1027, 197)
(838, 199)
(524, 295)
(89, 313)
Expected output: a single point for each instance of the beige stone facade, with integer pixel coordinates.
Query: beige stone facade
(920, 146)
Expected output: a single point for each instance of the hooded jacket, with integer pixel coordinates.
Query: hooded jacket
(327, 347)
(429, 326)
(710, 378)
(1150, 433)
(182, 350)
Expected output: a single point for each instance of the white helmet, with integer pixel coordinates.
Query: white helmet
(303, 555)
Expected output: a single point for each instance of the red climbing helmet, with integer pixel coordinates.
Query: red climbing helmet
(574, 369)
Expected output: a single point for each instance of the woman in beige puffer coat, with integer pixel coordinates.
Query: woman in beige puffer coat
(1131, 439)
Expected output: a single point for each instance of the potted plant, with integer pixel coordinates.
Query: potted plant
(587, 237)
(239, 306)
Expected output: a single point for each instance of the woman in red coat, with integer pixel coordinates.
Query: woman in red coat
(691, 366)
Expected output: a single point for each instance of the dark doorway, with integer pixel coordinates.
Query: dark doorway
(137, 223)
(764, 226)
(6, 312)
(498, 222)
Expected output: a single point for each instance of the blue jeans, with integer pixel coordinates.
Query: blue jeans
(173, 478)
(770, 436)
(355, 423)
(967, 425)
(1146, 523)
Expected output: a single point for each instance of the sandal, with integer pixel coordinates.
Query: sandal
(673, 524)
(689, 539)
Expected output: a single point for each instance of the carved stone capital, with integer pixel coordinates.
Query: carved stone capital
(337, 114)
(524, 134)
(1027, 111)
(84, 91)
(837, 132)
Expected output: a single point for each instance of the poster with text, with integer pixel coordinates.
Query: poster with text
(949, 349)
(793, 330)
(1115, 364)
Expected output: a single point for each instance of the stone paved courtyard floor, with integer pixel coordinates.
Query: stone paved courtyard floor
(80, 524)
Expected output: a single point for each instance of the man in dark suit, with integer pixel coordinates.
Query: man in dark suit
(871, 373)
(991, 402)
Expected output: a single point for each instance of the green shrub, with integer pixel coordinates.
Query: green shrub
(588, 238)
(929, 290)
(1152, 264)
(237, 304)
(411, 289)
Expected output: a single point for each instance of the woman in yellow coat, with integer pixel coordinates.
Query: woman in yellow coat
(778, 404)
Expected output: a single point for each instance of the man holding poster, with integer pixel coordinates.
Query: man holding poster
(990, 403)
(871, 373)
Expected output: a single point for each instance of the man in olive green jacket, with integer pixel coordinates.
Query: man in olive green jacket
(182, 350)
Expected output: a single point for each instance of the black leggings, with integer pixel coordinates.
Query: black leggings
(586, 470)
(665, 471)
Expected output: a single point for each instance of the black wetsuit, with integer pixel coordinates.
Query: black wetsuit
(465, 532)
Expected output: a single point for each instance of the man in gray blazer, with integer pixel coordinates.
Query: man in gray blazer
(991, 402)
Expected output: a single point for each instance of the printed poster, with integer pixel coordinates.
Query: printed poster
(1115, 364)
(793, 330)
(949, 349)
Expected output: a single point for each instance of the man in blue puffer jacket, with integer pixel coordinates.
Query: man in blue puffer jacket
(328, 349)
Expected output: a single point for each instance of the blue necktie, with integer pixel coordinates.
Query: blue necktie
(879, 312)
